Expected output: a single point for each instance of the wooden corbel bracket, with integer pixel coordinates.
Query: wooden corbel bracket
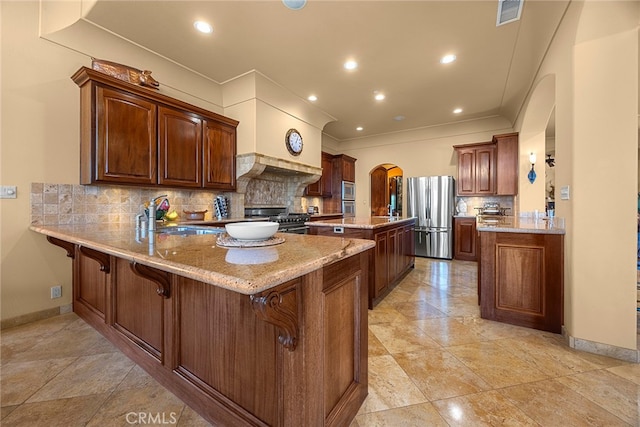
(67, 246)
(160, 278)
(269, 308)
(102, 258)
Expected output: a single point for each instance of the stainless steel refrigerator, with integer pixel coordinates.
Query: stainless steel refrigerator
(431, 200)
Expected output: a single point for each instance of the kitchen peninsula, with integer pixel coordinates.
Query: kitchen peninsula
(394, 253)
(520, 273)
(273, 335)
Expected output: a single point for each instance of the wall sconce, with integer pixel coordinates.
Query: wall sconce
(532, 172)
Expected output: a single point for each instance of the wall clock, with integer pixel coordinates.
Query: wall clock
(293, 141)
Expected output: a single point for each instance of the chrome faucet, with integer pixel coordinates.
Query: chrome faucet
(140, 218)
(390, 207)
(152, 212)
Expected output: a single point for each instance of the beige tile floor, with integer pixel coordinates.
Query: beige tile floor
(432, 362)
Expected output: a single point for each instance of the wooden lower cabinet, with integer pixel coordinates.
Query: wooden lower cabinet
(137, 286)
(521, 279)
(464, 247)
(392, 258)
(293, 355)
(91, 280)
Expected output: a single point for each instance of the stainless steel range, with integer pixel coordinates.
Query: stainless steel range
(288, 222)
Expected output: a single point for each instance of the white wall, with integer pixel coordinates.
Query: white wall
(594, 61)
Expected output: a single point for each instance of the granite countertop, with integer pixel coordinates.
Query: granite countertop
(243, 270)
(366, 222)
(514, 224)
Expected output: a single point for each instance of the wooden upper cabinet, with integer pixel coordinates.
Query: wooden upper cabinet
(125, 139)
(322, 187)
(347, 166)
(180, 153)
(488, 168)
(476, 169)
(507, 164)
(219, 156)
(134, 135)
(327, 175)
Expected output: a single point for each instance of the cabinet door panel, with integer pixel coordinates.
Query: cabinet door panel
(126, 147)
(349, 170)
(327, 171)
(381, 263)
(91, 284)
(466, 172)
(180, 148)
(465, 239)
(507, 164)
(219, 156)
(138, 310)
(485, 173)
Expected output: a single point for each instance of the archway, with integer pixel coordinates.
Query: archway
(386, 189)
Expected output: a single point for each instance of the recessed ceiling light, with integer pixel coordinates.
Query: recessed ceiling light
(359, 128)
(399, 118)
(447, 59)
(203, 27)
(457, 111)
(312, 98)
(379, 96)
(294, 4)
(351, 65)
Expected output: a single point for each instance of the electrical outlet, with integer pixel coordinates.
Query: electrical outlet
(56, 292)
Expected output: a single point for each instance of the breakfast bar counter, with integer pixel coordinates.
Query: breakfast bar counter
(246, 336)
(200, 258)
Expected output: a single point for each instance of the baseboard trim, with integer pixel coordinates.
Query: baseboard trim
(38, 315)
(621, 353)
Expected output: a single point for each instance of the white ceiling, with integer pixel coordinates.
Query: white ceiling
(398, 45)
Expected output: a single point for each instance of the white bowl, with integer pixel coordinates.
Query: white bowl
(251, 230)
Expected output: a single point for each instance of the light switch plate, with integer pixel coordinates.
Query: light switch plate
(8, 192)
(565, 193)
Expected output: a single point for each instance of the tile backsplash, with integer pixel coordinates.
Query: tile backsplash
(90, 204)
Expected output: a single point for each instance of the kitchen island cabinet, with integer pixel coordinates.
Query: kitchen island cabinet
(246, 336)
(520, 275)
(393, 256)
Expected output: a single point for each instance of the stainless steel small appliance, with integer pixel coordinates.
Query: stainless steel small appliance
(348, 208)
(289, 222)
(348, 190)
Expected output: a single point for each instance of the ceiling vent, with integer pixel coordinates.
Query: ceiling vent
(508, 11)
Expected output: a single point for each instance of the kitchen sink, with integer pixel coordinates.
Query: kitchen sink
(189, 230)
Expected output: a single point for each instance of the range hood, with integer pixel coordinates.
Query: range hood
(269, 181)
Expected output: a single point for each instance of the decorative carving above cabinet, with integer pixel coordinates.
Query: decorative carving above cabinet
(132, 135)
